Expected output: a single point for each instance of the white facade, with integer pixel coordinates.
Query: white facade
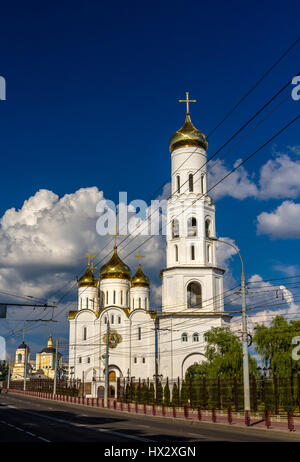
(192, 293)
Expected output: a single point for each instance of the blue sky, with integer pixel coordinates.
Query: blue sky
(92, 93)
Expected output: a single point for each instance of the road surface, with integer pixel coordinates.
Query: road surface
(35, 420)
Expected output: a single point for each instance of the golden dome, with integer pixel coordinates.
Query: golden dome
(188, 135)
(88, 279)
(140, 279)
(115, 268)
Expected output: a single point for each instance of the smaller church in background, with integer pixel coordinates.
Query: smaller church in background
(42, 367)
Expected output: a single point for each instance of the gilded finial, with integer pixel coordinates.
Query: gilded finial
(139, 256)
(187, 101)
(116, 234)
(89, 257)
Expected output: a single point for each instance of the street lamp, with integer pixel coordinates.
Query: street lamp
(244, 327)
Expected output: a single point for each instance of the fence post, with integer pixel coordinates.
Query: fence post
(199, 413)
(145, 408)
(291, 425)
(153, 409)
(128, 406)
(267, 419)
(276, 394)
(213, 415)
(115, 404)
(163, 409)
(186, 412)
(229, 415)
(136, 407)
(247, 418)
(174, 411)
(102, 402)
(121, 406)
(178, 386)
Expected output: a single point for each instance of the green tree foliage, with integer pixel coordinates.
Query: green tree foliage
(175, 395)
(274, 344)
(184, 395)
(144, 394)
(167, 394)
(151, 393)
(223, 355)
(3, 370)
(159, 393)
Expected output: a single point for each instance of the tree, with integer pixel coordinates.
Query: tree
(274, 344)
(223, 355)
(3, 370)
(184, 395)
(151, 393)
(159, 398)
(144, 393)
(167, 394)
(175, 395)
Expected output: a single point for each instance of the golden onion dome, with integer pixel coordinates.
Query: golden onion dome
(115, 268)
(88, 279)
(188, 135)
(139, 279)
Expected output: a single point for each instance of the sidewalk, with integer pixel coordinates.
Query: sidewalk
(175, 413)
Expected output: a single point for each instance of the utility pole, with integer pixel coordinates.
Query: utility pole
(25, 370)
(8, 378)
(156, 357)
(55, 370)
(244, 329)
(106, 367)
(245, 345)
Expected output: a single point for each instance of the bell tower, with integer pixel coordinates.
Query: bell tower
(191, 280)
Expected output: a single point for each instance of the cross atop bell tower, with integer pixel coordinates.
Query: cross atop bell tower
(187, 101)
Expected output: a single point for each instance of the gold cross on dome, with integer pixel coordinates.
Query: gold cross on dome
(116, 234)
(139, 256)
(89, 257)
(92, 267)
(187, 101)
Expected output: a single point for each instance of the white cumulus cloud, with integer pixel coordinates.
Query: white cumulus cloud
(282, 223)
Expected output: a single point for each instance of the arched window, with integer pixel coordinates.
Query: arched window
(19, 358)
(127, 298)
(175, 228)
(192, 226)
(119, 319)
(114, 297)
(196, 337)
(178, 184)
(146, 303)
(112, 318)
(140, 303)
(202, 183)
(207, 227)
(184, 337)
(192, 252)
(191, 182)
(139, 333)
(84, 333)
(176, 252)
(81, 303)
(87, 302)
(105, 320)
(107, 297)
(194, 298)
(121, 297)
(88, 359)
(133, 303)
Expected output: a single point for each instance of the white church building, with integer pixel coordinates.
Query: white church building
(144, 343)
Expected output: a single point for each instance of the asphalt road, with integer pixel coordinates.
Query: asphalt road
(34, 420)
